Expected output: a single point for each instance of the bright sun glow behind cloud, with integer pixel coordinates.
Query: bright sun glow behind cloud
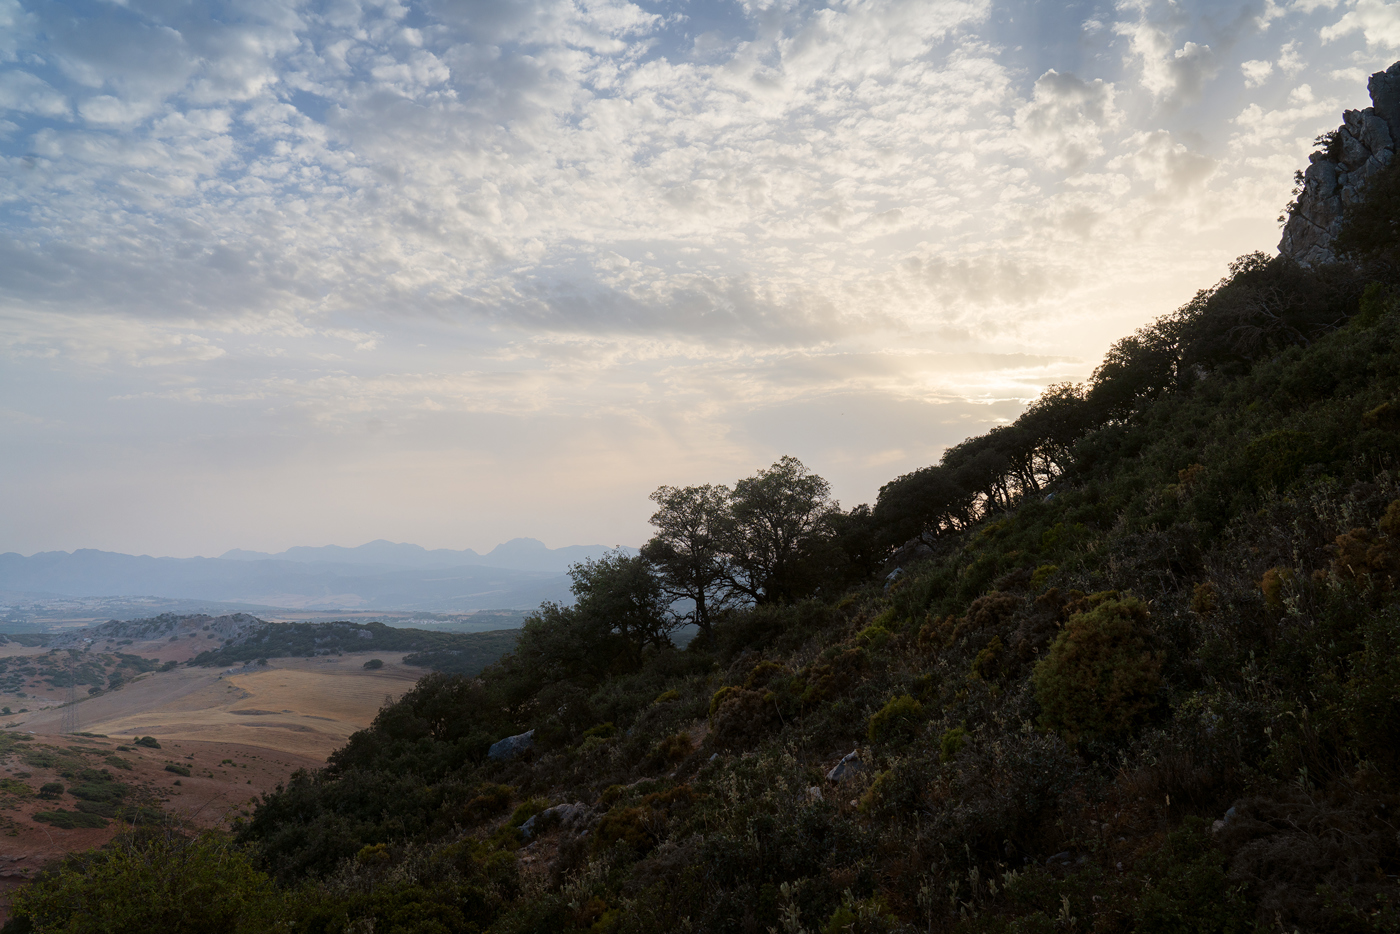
(295, 273)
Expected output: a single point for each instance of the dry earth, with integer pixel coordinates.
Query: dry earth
(225, 778)
(307, 706)
(241, 731)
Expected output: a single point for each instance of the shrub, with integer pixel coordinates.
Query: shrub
(983, 666)
(527, 810)
(1099, 679)
(866, 916)
(952, 743)
(743, 718)
(70, 820)
(872, 636)
(673, 749)
(178, 769)
(1189, 889)
(492, 799)
(829, 679)
(1272, 586)
(762, 673)
(628, 826)
(897, 720)
(152, 882)
(1362, 553)
(149, 742)
(719, 698)
(15, 787)
(374, 663)
(98, 786)
(51, 790)
(1276, 458)
(1205, 598)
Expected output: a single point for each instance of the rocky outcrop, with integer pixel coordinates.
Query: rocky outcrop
(849, 765)
(1360, 147)
(512, 746)
(571, 817)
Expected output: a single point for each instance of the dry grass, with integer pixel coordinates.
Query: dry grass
(303, 706)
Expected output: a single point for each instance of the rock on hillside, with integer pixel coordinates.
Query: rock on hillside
(1360, 147)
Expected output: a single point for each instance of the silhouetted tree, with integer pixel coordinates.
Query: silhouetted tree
(1056, 421)
(774, 517)
(687, 550)
(1136, 369)
(620, 610)
(980, 466)
(922, 505)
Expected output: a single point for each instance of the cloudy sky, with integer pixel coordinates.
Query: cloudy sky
(277, 273)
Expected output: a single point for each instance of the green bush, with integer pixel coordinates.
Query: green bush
(490, 800)
(178, 769)
(51, 790)
(148, 741)
(70, 820)
(897, 720)
(1188, 891)
(152, 882)
(952, 743)
(672, 750)
(873, 636)
(17, 788)
(1099, 679)
(374, 663)
(719, 697)
(628, 826)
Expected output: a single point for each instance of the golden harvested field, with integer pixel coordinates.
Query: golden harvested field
(304, 706)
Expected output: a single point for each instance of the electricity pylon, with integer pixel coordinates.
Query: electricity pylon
(70, 710)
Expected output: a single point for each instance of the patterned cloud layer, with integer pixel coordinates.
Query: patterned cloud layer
(276, 273)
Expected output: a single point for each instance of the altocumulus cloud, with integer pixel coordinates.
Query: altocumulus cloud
(633, 242)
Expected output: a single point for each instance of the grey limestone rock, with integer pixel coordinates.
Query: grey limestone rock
(1384, 88)
(1365, 143)
(512, 746)
(572, 817)
(849, 765)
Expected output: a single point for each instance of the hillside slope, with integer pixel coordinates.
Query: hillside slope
(1127, 664)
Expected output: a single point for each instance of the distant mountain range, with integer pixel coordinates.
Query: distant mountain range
(381, 575)
(518, 554)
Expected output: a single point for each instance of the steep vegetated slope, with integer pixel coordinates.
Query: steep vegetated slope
(1135, 672)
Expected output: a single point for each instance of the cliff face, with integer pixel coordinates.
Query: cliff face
(1362, 145)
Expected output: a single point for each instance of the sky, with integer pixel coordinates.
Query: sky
(304, 273)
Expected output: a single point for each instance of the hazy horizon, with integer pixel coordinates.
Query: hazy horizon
(303, 546)
(453, 273)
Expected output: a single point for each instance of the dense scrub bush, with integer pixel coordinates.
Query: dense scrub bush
(743, 718)
(70, 820)
(154, 881)
(1100, 679)
(897, 721)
